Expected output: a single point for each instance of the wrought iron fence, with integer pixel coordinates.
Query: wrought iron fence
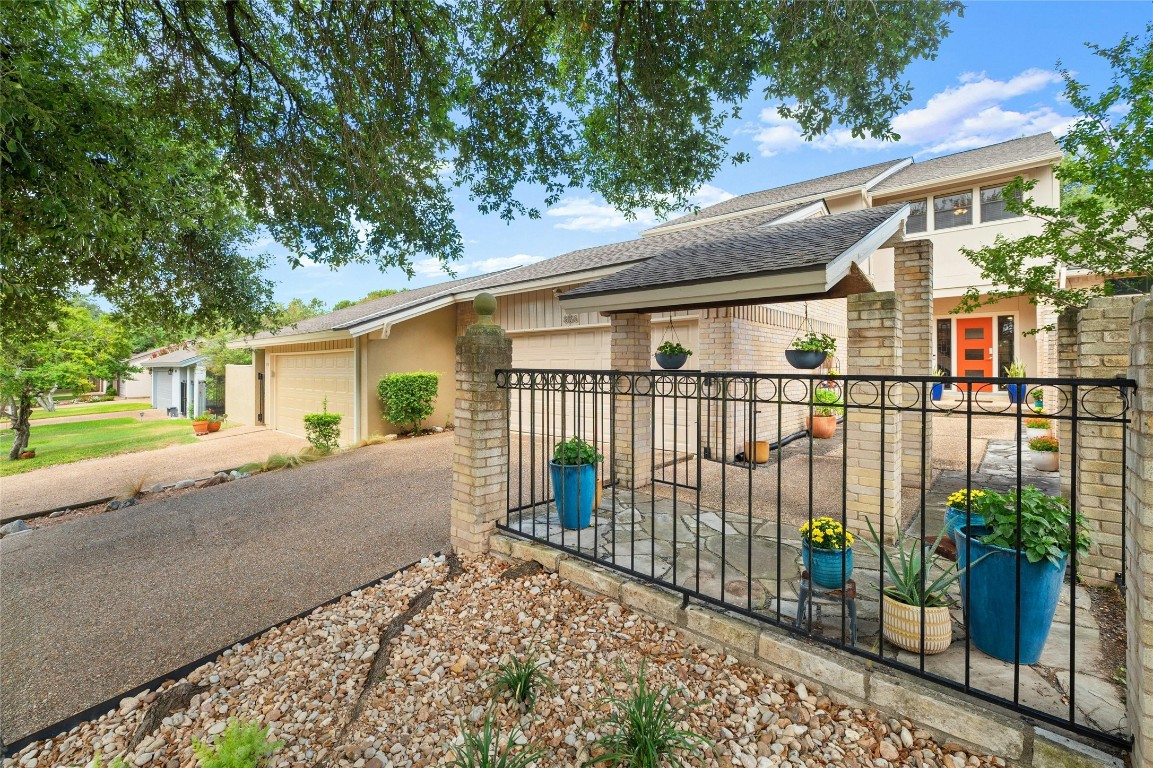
(703, 482)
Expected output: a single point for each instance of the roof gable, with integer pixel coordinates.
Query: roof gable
(1041, 147)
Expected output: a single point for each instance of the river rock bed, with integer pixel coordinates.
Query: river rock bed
(304, 679)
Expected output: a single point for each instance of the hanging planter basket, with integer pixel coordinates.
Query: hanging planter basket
(671, 362)
(805, 359)
(670, 354)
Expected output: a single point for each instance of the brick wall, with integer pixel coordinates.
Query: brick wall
(632, 447)
(913, 281)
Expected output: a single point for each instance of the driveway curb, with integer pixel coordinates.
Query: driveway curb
(63, 726)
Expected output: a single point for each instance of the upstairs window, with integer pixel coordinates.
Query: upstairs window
(918, 219)
(954, 210)
(993, 204)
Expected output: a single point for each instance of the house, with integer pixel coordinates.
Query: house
(553, 310)
(136, 385)
(178, 379)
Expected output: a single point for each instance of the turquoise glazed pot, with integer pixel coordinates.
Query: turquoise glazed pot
(575, 489)
(955, 518)
(990, 598)
(824, 565)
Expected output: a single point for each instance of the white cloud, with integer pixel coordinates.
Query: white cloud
(972, 114)
(435, 268)
(586, 215)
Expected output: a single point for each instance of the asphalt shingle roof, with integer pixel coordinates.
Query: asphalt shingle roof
(780, 248)
(175, 358)
(857, 177)
(972, 161)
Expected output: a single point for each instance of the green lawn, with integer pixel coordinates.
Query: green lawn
(86, 410)
(65, 443)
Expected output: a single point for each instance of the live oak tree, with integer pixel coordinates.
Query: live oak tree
(143, 141)
(1105, 221)
(81, 344)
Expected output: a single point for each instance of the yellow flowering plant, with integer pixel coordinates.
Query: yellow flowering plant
(826, 533)
(958, 499)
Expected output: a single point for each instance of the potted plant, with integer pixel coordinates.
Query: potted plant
(914, 597)
(1016, 370)
(993, 556)
(957, 511)
(809, 351)
(827, 408)
(1037, 427)
(671, 355)
(938, 389)
(28, 453)
(827, 552)
(574, 478)
(215, 420)
(1043, 453)
(200, 425)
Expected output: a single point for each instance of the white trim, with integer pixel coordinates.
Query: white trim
(898, 166)
(1017, 165)
(661, 229)
(764, 286)
(293, 338)
(798, 215)
(998, 364)
(837, 269)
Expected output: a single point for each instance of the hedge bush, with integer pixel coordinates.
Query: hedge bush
(323, 429)
(408, 397)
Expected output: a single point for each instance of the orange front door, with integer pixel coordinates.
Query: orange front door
(974, 349)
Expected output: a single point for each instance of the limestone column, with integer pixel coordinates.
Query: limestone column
(913, 281)
(481, 435)
(874, 450)
(632, 447)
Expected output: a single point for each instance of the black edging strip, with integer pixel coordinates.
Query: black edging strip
(67, 724)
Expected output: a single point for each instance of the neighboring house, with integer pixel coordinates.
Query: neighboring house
(954, 201)
(134, 385)
(178, 379)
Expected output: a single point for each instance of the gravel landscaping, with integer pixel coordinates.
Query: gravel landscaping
(324, 685)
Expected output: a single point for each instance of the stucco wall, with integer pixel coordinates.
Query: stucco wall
(1026, 346)
(240, 393)
(425, 343)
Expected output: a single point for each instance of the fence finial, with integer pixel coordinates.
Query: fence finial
(485, 306)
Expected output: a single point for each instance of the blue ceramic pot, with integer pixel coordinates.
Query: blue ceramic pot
(824, 565)
(990, 598)
(670, 362)
(575, 488)
(955, 518)
(1016, 392)
(937, 391)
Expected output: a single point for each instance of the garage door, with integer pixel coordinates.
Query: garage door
(300, 383)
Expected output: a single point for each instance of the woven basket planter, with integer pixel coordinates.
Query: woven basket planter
(903, 626)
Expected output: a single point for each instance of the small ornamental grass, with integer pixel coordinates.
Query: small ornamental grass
(826, 533)
(483, 749)
(1044, 444)
(645, 728)
(240, 745)
(521, 680)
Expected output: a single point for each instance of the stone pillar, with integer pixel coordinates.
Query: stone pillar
(481, 436)
(716, 335)
(1139, 538)
(632, 447)
(874, 350)
(913, 281)
(1067, 368)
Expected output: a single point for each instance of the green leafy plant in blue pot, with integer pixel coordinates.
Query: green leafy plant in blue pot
(671, 355)
(993, 556)
(1016, 370)
(574, 479)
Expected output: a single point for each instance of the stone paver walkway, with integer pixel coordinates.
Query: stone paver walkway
(755, 564)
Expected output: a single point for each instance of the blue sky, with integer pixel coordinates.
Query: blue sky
(994, 79)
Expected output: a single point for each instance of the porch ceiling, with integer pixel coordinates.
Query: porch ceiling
(809, 259)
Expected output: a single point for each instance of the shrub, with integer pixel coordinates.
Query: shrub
(645, 729)
(482, 749)
(574, 452)
(110, 391)
(241, 745)
(323, 429)
(408, 397)
(1044, 444)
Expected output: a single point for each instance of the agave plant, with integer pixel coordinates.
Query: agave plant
(910, 580)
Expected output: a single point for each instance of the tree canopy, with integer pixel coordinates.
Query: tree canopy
(1105, 221)
(372, 295)
(144, 142)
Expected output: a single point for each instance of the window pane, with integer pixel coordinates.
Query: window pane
(945, 346)
(953, 210)
(974, 333)
(1120, 286)
(917, 220)
(1006, 348)
(974, 354)
(993, 204)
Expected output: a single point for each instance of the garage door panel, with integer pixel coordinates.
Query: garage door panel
(302, 382)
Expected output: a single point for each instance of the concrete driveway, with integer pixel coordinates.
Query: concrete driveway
(81, 481)
(98, 605)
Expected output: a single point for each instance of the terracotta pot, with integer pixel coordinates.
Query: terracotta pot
(214, 426)
(200, 427)
(903, 626)
(824, 427)
(28, 454)
(1046, 461)
(761, 455)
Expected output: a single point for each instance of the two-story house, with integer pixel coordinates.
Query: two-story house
(955, 201)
